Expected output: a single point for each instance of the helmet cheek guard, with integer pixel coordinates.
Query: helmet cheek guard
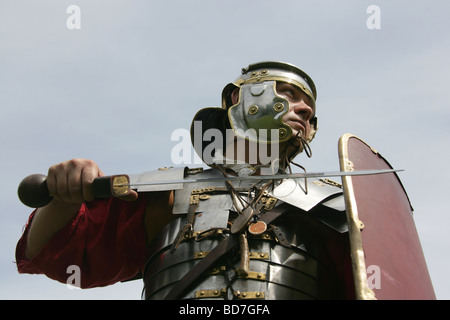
(257, 116)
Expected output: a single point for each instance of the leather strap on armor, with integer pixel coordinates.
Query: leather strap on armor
(189, 223)
(224, 247)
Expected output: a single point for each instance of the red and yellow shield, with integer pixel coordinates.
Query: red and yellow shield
(387, 257)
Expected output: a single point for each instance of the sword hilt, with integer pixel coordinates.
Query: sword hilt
(33, 190)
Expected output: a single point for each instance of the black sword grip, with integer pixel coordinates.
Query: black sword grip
(33, 191)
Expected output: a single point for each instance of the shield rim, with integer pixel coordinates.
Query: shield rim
(362, 290)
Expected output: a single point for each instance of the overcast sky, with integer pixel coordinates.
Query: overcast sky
(115, 90)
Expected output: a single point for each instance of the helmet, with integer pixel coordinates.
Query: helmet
(259, 106)
(257, 116)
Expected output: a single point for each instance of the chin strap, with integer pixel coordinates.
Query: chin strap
(304, 146)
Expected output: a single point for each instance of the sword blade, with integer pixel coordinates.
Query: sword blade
(267, 177)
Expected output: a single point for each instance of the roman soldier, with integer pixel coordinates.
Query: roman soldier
(245, 228)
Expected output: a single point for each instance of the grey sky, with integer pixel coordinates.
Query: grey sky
(116, 89)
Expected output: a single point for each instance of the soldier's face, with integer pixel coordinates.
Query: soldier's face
(300, 109)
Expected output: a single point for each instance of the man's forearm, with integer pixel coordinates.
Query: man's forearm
(46, 222)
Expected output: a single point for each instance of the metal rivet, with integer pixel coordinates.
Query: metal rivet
(278, 107)
(282, 133)
(253, 109)
(361, 225)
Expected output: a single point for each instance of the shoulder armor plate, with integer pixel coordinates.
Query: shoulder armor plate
(296, 193)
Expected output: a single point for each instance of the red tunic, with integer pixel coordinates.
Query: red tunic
(106, 240)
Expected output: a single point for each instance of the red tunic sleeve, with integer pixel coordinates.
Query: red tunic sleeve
(106, 240)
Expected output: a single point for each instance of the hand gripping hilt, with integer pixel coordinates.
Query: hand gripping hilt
(33, 191)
